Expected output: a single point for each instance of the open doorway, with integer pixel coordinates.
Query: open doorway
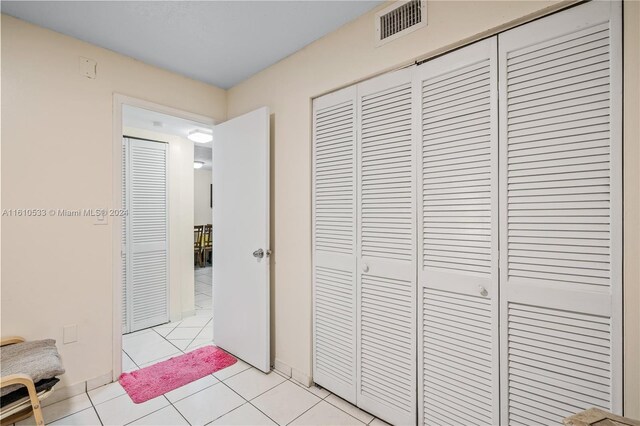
(203, 228)
(165, 302)
(240, 244)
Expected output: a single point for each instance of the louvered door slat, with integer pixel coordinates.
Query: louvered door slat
(386, 236)
(334, 218)
(147, 234)
(458, 238)
(560, 211)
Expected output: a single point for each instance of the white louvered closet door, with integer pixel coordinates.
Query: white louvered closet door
(334, 242)
(386, 236)
(147, 234)
(560, 138)
(123, 236)
(458, 238)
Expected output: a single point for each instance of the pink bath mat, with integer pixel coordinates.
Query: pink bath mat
(158, 379)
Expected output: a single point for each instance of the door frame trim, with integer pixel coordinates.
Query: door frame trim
(119, 100)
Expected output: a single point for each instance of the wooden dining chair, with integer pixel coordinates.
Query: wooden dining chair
(207, 247)
(197, 244)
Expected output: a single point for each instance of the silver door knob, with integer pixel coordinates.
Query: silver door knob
(258, 253)
(483, 291)
(365, 267)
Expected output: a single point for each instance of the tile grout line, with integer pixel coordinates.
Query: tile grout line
(262, 393)
(305, 411)
(95, 410)
(233, 375)
(307, 389)
(170, 342)
(329, 402)
(191, 341)
(150, 413)
(238, 407)
(65, 416)
(179, 412)
(247, 401)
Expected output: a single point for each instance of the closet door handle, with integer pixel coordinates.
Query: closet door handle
(483, 291)
(365, 267)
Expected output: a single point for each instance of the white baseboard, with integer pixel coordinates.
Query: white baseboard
(301, 377)
(297, 375)
(282, 367)
(69, 391)
(96, 382)
(65, 392)
(187, 314)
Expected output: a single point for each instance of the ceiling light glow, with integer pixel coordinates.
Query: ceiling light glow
(200, 136)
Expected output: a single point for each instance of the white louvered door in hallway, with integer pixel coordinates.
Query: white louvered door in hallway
(386, 247)
(458, 237)
(468, 228)
(560, 206)
(123, 236)
(334, 230)
(146, 241)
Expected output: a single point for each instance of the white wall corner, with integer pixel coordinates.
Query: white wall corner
(282, 367)
(301, 377)
(187, 314)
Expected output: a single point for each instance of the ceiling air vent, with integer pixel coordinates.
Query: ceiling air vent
(399, 19)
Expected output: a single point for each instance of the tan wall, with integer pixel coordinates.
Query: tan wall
(337, 60)
(181, 196)
(57, 134)
(203, 213)
(57, 153)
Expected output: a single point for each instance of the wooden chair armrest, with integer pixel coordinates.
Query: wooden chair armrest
(23, 379)
(17, 379)
(11, 340)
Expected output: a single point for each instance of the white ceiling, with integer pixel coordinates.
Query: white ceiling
(144, 119)
(218, 42)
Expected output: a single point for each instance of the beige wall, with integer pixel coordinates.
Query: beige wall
(340, 59)
(57, 134)
(181, 196)
(203, 213)
(57, 153)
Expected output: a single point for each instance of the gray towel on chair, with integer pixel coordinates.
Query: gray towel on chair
(38, 359)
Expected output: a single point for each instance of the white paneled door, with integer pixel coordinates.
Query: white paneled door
(334, 231)
(560, 207)
(386, 276)
(458, 237)
(145, 268)
(241, 248)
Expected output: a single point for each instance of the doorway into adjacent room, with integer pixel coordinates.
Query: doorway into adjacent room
(166, 306)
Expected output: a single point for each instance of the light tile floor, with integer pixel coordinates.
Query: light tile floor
(236, 395)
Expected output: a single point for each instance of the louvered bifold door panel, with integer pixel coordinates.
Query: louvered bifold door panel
(147, 275)
(334, 261)
(123, 236)
(458, 238)
(386, 235)
(560, 206)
